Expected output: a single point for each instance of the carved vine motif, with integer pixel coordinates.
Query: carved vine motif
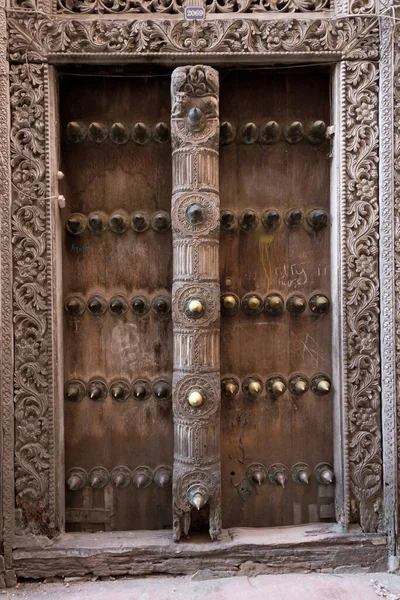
(38, 38)
(176, 6)
(33, 345)
(362, 289)
(396, 120)
(195, 306)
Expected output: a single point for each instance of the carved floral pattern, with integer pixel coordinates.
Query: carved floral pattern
(362, 289)
(31, 294)
(176, 6)
(39, 37)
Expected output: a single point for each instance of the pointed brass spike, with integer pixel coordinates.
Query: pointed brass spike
(140, 391)
(304, 477)
(281, 479)
(119, 133)
(97, 132)
(300, 386)
(327, 476)
(321, 301)
(258, 477)
(119, 480)
(254, 388)
(141, 480)
(229, 302)
(226, 132)
(74, 224)
(295, 132)
(95, 222)
(163, 480)
(318, 132)
(95, 480)
(275, 303)
(195, 115)
(278, 388)
(298, 302)
(74, 482)
(323, 386)
(118, 391)
(295, 216)
(73, 305)
(72, 391)
(198, 501)
(254, 303)
(230, 388)
(95, 394)
(138, 303)
(270, 132)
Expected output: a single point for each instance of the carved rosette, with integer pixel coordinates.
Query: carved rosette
(195, 304)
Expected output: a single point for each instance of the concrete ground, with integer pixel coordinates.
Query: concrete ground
(317, 586)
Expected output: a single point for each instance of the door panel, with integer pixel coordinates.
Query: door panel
(279, 176)
(110, 182)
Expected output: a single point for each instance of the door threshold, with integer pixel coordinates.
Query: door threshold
(241, 551)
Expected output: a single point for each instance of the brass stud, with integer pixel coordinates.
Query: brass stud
(252, 304)
(141, 133)
(162, 390)
(97, 132)
(227, 133)
(320, 384)
(74, 391)
(259, 477)
(276, 386)
(229, 387)
(293, 217)
(163, 476)
(195, 116)
(319, 304)
(161, 305)
(97, 222)
(324, 474)
(317, 218)
(97, 390)
(140, 305)
(274, 304)
(161, 133)
(119, 391)
(142, 477)
(194, 308)
(248, 220)
(161, 221)
(76, 132)
(252, 387)
(75, 306)
(228, 220)
(296, 304)
(119, 222)
(121, 476)
(294, 133)
(97, 305)
(140, 222)
(281, 479)
(141, 390)
(270, 132)
(271, 219)
(196, 214)
(198, 500)
(229, 302)
(248, 133)
(301, 473)
(197, 496)
(195, 398)
(76, 224)
(119, 134)
(317, 132)
(76, 479)
(118, 305)
(298, 385)
(98, 477)
(278, 474)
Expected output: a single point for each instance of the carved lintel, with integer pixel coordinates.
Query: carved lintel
(195, 305)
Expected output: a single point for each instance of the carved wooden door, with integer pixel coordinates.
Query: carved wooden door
(228, 395)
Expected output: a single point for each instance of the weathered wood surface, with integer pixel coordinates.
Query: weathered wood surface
(240, 551)
(259, 177)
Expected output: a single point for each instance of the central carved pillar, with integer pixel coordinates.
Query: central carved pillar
(195, 302)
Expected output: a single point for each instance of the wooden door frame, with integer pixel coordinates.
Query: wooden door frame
(348, 37)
